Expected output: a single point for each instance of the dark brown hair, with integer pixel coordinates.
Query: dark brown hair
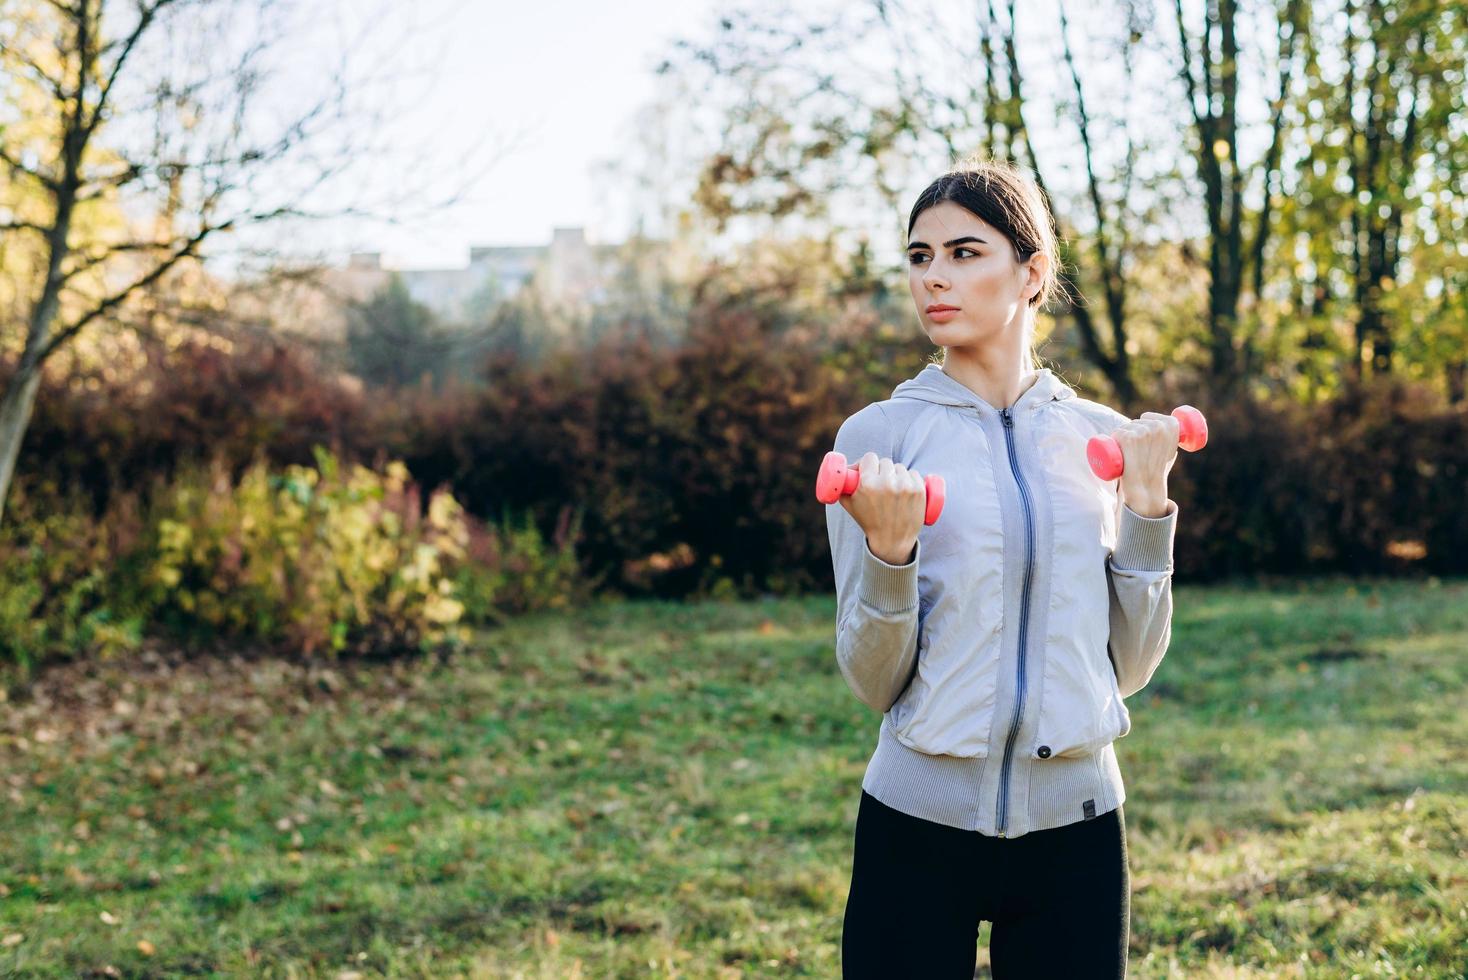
(1008, 198)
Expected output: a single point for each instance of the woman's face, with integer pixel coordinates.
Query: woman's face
(955, 258)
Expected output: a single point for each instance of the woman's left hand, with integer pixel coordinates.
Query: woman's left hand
(1148, 449)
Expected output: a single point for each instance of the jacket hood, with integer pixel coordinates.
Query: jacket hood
(931, 384)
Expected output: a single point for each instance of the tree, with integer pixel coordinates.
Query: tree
(1224, 175)
(1365, 272)
(137, 132)
(802, 133)
(393, 340)
(1390, 139)
(79, 60)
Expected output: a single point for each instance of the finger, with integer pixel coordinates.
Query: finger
(867, 465)
(1159, 429)
(1137, 435)
(1167, 422)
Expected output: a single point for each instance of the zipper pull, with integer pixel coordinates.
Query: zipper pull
(1008, 419)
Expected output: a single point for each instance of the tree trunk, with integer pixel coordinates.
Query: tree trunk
(1216, 130)
(20, 393)
(15, 415)
(1457, 381)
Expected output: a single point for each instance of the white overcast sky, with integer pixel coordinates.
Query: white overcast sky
(558, 85)
(560, 81)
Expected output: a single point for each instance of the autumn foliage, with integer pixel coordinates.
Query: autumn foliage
(254, 492)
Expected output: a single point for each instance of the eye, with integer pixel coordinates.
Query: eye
(915, 258)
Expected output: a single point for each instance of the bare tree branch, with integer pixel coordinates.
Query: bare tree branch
(84, 261)
(1289, 28)
(15, 224)
(146, 14)
(1116, 366)
(65, 334)
(54, 85)
(16, 167)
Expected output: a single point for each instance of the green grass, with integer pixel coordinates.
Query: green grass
(670, 790)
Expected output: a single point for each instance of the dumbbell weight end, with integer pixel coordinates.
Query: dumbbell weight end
(836, 479)
(1104, 454)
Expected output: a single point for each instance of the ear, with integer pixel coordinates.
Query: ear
(1037, 266)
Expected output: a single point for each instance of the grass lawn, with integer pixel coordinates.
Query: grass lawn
(643, 789)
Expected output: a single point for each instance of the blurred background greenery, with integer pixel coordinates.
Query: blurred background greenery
(208, 437)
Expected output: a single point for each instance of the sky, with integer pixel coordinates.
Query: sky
(518, 101)
(523, 105)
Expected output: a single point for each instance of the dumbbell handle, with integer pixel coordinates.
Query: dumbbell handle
(1104, 453)
(836, 479)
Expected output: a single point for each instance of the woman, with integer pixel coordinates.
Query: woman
(999, 641)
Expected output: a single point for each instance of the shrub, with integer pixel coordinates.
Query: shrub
(232, 399)
(311, 559)
(61, 575)
(1368, 483)
(688, 463)
(692, 462)
(307, 560)
(513, 569)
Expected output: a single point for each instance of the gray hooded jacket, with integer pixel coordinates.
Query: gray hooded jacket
(1000, 654)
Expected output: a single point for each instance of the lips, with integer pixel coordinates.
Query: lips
(940, 307)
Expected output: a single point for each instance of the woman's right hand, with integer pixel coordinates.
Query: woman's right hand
(888, 504)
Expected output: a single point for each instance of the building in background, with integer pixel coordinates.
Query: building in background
(570, 274)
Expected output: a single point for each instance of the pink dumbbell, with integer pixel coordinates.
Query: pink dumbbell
(836, 480)
(1104, 454)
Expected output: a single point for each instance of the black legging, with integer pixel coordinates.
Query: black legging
(1059, 899)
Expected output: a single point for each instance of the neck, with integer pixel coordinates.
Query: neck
(997, 375)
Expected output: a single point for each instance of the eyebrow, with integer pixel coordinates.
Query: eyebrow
(956, 241)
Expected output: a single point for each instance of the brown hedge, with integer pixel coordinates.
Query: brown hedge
(692, 464)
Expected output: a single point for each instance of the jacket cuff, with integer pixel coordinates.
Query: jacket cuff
(1145, 543)
(889, 589)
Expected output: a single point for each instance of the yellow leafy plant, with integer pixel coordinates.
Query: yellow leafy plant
(321, 559)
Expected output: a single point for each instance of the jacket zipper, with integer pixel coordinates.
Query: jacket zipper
(1024, 618)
